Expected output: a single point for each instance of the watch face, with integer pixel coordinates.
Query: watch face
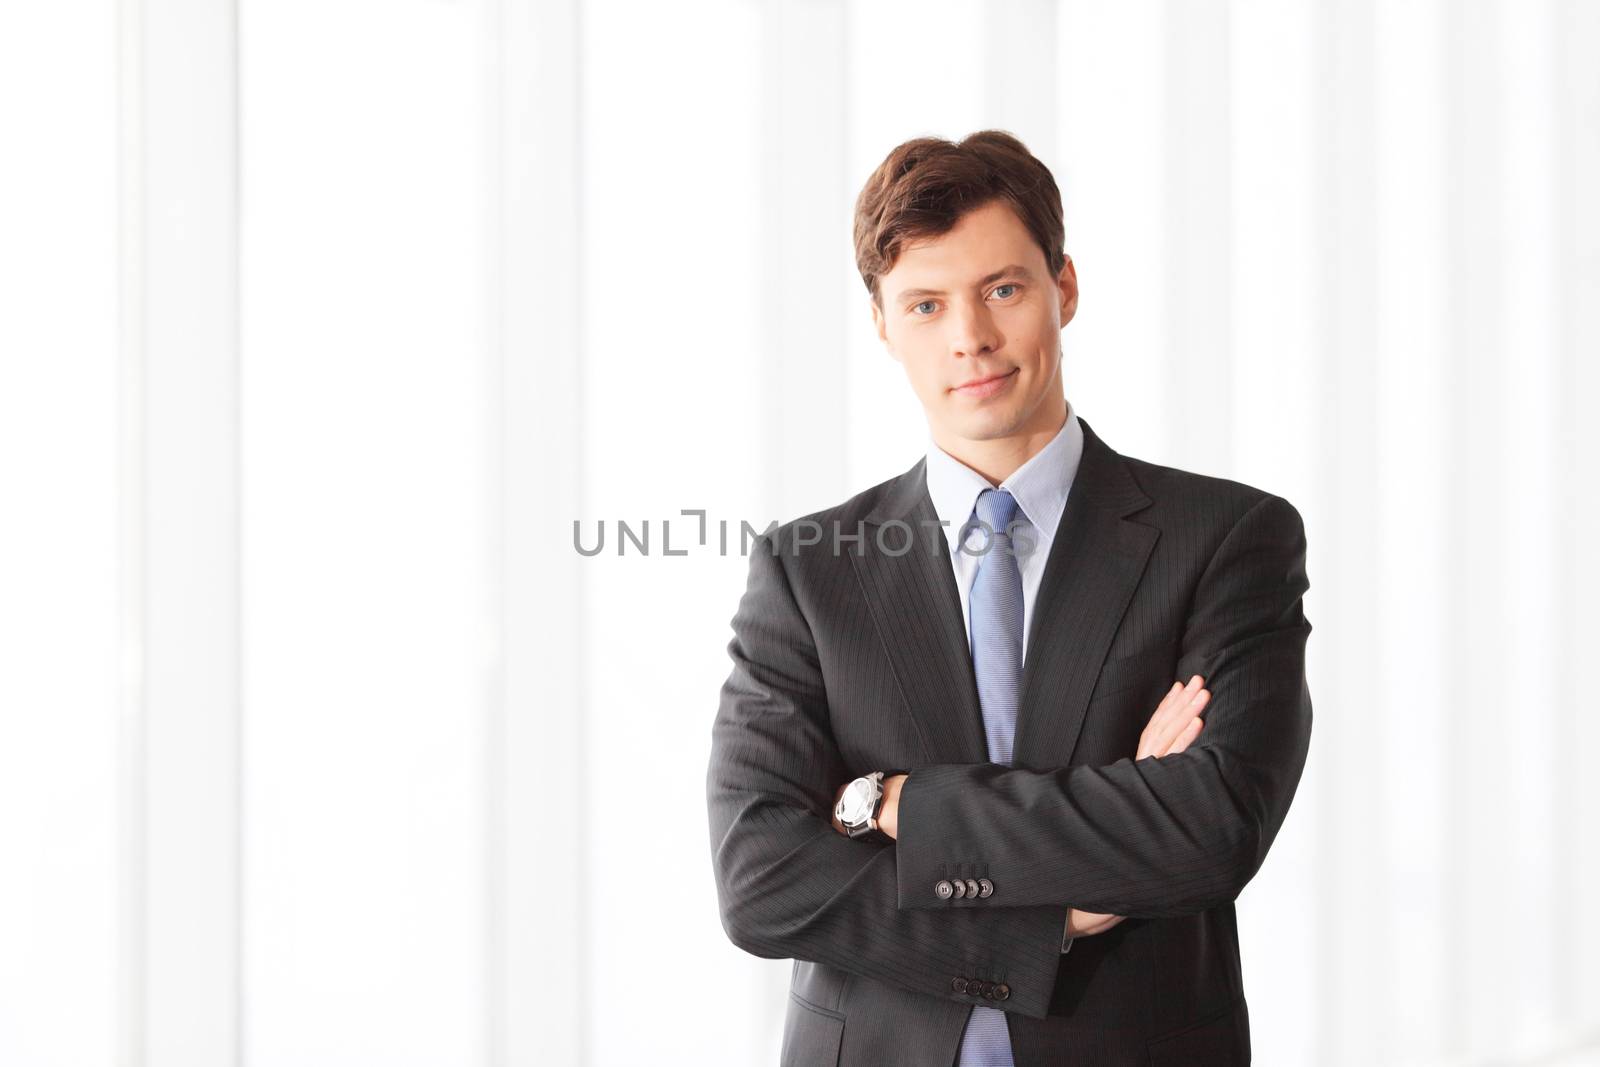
(854, 807)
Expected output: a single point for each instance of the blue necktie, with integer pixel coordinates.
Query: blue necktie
(995, 605)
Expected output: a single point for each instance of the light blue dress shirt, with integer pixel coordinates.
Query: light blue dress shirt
(1040, 486)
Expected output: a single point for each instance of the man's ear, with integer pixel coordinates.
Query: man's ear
(1068, 283)
(881, 324)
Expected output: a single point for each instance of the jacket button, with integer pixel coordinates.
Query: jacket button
(959, 984)
(985, 888)
(943, 890)
(1002, 991)
(961, 888)
(982, 989)
(972, 887)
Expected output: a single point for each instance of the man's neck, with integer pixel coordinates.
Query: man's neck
(998, 458)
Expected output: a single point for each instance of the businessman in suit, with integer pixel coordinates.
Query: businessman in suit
(1007, 734)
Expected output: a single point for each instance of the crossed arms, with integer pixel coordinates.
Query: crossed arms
(1148, 838)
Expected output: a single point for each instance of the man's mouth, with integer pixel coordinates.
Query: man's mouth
(984, 387)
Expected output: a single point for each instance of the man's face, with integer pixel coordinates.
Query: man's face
(979, 303)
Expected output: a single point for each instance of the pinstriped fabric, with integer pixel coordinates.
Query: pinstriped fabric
(789, 885)
(853, 659)
(996, 621)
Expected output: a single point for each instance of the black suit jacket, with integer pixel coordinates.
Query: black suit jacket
(852, 660)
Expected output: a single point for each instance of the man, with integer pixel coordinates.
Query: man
(936, 781)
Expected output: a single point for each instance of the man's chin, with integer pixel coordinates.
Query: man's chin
(984, 426)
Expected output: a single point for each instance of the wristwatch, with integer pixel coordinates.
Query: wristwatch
(860, 805)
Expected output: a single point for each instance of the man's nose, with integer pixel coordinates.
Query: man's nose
(972, 331)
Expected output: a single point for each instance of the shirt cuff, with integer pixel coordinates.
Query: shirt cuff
(1066, 941)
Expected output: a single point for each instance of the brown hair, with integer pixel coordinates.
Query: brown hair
(924, 186)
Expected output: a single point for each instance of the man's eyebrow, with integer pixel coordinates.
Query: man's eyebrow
(1015, 268)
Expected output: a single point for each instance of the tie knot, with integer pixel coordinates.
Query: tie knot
(996, 508)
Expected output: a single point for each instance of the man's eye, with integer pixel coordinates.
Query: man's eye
(925, 303)
(1008, 285)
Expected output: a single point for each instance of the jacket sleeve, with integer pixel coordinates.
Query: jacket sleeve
(788, 884)
(1155, 837)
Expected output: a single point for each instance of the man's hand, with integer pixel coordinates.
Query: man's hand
(1175, 723)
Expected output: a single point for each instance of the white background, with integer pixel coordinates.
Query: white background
(320, 324)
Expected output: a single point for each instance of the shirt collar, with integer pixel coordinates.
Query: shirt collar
(1040, 485)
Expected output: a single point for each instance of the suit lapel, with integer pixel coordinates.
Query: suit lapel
(1096, 559)
(1095, 563)
(917, 608)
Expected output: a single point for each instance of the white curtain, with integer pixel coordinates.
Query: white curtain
(324, 322)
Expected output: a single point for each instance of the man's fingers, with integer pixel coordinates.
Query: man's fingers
(1088, 923)
(1172, 716)
(1168, 706)
(1173, 704)
(1083, 923)
(1188, 734)
(1177, 724)
(1111, 920)
(1169, 703)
